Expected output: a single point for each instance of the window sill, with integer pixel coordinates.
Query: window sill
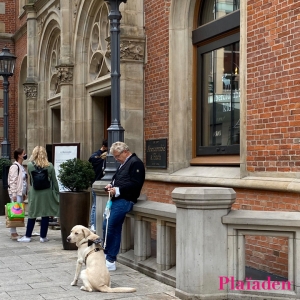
(221, 160)
(226, 176)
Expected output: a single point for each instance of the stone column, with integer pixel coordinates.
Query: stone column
(31, 86)
(65, 76)
(201, 241)
(30, 89)
(68, 106)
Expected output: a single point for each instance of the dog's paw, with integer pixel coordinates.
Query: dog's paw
(83, 288)
(74, 282)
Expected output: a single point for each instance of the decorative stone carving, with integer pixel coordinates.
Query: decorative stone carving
(129, 49)
(30, 90)
(41, 21)
(75, 8)
(64, 74)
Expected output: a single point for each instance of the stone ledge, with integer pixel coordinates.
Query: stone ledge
(227, 177)
(262, 218)
(155, 208)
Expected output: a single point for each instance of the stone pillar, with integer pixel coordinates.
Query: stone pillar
(142, 241)
(30, 89)
(31, 86)
(65, 77)
(201, 241)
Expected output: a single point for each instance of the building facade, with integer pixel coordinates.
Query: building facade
(217, 79)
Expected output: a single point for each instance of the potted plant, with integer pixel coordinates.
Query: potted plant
(4, 197)
(76, 176)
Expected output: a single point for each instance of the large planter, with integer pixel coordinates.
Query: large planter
(74, 210)
(4, 198)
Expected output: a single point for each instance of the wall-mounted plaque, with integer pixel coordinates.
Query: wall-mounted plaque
(156, 153)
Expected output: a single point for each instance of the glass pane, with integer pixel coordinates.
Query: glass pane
(221, 97)
(214, 9)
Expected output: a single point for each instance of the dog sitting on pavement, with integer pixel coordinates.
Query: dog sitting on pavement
(96, 276)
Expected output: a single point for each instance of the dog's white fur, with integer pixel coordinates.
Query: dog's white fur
(96, 275)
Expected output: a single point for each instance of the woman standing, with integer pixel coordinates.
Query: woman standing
(41, 203)
(17, 183)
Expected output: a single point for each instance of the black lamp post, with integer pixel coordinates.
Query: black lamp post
(7, 67)
(115, 131)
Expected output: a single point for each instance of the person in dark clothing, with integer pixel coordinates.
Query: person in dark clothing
(98, 160)
(125, 188)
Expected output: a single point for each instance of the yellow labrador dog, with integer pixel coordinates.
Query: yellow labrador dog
(96, 275)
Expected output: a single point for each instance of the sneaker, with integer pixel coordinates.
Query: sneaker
(93, 229)
(44, 240)
(111, 266)
(24, 239)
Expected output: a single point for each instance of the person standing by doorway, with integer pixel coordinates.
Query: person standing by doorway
(98, 160)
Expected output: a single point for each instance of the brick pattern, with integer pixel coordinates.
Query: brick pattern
(12, 24)
(269, 254)
(157, 69)
(12, 117)
(9, 17)
(273, 90)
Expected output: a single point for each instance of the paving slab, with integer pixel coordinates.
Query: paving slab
(39, 271)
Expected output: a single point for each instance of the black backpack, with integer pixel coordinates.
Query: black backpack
(40, 178)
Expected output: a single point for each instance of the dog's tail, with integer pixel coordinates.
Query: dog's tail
(107, 289)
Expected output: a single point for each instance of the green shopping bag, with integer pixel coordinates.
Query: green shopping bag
(15, 210)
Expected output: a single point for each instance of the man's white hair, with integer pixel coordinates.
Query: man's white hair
(119, 147)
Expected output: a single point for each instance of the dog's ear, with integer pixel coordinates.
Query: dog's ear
(86, 232)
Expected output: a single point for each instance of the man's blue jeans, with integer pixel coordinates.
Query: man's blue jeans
(119, 209)
(93, 210)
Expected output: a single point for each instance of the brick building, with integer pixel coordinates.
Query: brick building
(218, 80)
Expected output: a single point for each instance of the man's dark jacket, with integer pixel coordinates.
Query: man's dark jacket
(98, 164)
(129, 179)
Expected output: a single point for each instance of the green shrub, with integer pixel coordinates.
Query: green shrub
(76, 175)
(4, 162)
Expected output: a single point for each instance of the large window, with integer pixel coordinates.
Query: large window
(218, 88)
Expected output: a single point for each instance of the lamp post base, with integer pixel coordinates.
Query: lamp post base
(5, 149)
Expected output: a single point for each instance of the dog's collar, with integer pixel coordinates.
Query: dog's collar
(94, 250)
(81, 243)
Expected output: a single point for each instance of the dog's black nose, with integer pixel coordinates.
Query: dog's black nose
(68, 239)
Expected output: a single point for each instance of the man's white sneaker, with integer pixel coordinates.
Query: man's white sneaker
(111, 266)
(24, 239)
(44, 240)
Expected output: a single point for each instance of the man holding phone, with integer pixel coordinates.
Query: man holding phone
(125, 188)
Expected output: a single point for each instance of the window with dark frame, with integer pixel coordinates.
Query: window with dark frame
(218, 88)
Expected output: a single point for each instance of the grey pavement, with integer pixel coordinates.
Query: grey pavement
(39, 271)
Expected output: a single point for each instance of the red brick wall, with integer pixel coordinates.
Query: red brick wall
(273, 89)
(157, 69)
(267, 253)
(9, 20)
(9, 17)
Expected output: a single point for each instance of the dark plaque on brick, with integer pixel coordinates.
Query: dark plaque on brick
(156, 153)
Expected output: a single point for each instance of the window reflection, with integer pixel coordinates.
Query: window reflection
(221, 97)
(214, 9)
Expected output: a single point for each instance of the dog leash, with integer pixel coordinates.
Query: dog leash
(107, 209)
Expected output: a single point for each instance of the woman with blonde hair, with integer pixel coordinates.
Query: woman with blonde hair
(41, 202)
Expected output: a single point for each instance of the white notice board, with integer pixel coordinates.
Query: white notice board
(61, 153)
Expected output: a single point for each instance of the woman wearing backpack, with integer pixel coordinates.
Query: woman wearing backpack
(17, 183)
(43, 198)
